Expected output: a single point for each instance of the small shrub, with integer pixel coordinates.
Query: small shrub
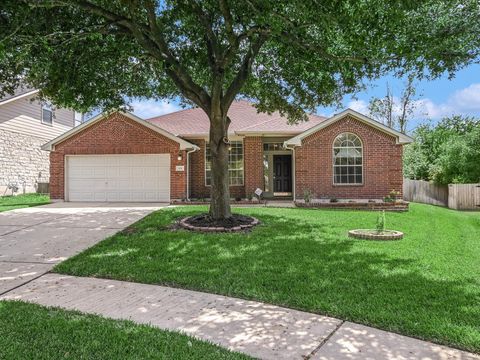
(388, 199)
(394, 194)
(238, 199)
(381, 222)
(249, 196)
(333, 200)
(307, 196)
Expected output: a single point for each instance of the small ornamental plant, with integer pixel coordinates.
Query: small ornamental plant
(381, 222)
(379, 233)
(307, 196)
(394, 194)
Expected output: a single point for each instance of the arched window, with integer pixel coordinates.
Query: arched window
(347, 160)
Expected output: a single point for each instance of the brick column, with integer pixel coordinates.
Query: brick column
(253, 160)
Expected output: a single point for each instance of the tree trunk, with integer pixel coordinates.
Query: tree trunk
(219, 147)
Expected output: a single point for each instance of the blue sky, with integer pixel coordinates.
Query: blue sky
(437, 98)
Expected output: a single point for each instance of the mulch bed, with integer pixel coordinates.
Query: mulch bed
(204, 222)
(387, 206)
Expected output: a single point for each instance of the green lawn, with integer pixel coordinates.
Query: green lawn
(426, 285)
(29, 331)
(22, 201)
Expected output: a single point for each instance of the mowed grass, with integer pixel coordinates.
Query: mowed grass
(426, 285)
(22, 201)
(29, 331)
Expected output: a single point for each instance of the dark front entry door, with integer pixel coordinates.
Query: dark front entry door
(282, 173)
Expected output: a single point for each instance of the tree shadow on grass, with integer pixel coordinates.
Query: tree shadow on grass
(298, 264)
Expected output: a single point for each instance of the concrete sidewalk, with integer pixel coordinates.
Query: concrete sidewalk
(33, 240)
(261, 330)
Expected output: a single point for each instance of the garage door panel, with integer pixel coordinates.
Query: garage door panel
(118, 177)
(150, 171)
(125, 171)
(100, 172)
(100, 196)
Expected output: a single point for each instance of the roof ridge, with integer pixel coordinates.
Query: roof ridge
(260, 123)
(175, 112)
(191, 108)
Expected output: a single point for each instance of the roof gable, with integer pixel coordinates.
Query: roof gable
(184, 145)
(401, 138)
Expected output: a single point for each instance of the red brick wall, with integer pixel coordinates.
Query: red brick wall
(253, 165)
(117, 134)
(198, 189)
(382, 169)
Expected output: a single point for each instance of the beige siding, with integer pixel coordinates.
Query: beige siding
(24, 116)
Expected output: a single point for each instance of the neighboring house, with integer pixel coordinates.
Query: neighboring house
(26, 124)
(120, 157)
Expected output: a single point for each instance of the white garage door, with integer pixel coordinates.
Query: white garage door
(118, 178)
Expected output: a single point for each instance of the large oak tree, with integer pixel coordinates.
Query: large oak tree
(290, 56)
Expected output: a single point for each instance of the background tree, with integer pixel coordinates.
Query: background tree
(395, 112)
(290, 56)
(448, 152)
(459, 161)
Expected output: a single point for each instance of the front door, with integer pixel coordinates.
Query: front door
(282, 175)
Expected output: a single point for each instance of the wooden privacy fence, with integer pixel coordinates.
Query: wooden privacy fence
(425, 192)
(455, 196)
(464, 196)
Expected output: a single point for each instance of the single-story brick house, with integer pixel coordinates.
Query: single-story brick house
(120, 157)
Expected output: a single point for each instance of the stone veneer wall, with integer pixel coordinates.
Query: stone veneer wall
(22, 162)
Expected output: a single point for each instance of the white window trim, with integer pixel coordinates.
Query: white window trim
(333, 162)
(243, 164)
(49, 107)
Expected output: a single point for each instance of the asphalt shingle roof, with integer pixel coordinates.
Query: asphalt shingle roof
(244, 116)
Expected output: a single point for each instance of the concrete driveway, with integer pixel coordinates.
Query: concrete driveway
(33, 240)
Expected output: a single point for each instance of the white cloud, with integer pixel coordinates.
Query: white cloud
(150, 108)
(358, 105)
(465, 101)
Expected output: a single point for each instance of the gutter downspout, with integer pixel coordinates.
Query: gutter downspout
(188, 171)
(294, 170)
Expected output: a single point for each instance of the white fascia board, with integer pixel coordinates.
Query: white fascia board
(401, 138)
(18, 97)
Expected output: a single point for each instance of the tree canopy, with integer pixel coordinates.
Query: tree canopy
(446, 153)
(287, 55)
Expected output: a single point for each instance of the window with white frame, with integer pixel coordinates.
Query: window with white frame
(347, 160)
(47, 114)
(235, 163)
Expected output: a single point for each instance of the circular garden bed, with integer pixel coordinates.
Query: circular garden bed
(370, 234)
(205, 223)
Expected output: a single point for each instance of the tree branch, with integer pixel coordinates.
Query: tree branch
(151, 38)
(211, 39)
(227, 16)
(243, 72)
